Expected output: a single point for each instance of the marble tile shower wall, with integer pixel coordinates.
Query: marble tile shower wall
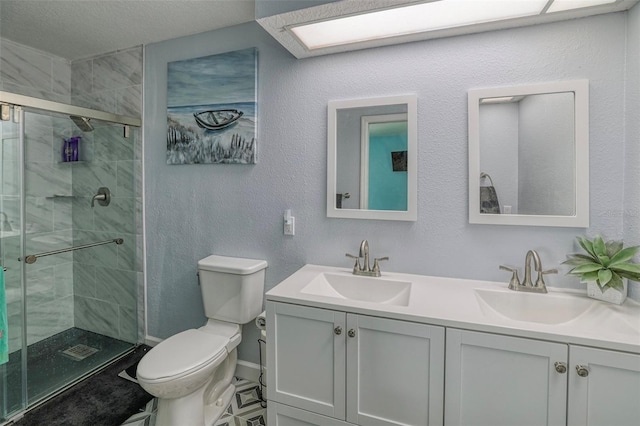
(30, 72)
(108, 281)
(95, 289)
(111, 83)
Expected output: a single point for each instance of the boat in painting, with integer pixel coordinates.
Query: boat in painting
(217, 119)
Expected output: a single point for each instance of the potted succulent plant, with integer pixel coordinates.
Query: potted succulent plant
(605, 268)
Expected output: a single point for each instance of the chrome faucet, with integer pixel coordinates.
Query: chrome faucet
(364, 253)
(364, 268)
(527, 284)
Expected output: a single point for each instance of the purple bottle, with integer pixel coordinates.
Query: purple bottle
(74, 145)
(67, 151)
(71, 149)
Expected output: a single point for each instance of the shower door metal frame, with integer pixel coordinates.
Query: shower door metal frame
(50, 106)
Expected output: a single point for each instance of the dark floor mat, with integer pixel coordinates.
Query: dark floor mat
(104, 399)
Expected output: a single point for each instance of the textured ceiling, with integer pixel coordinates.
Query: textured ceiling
(75, 29)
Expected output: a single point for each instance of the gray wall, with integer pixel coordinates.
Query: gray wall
(499, 153)
(631, 209)
(193, 211)
(546, 149)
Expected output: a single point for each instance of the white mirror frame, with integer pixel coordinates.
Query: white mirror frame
(411, 214)
(581, 134)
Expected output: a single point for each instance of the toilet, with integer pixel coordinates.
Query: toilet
(191, 373)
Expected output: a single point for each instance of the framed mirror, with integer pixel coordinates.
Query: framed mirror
(371, 161)
(529, 155)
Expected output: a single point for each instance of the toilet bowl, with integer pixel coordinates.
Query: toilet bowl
(191, 373)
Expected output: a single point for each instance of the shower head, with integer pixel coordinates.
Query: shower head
(82, 123)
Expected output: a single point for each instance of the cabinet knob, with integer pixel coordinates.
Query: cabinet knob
(583, 371)
(352, 333)
(561, 367)
(338, 330)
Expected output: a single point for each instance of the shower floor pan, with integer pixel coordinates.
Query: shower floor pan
(61, 359)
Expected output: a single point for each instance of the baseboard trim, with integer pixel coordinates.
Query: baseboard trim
(152, 341)
(248, 370)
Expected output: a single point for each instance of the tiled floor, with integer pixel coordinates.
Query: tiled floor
(245, 409)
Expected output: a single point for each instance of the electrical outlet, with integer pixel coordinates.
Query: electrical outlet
(290, 226)
(289, 223)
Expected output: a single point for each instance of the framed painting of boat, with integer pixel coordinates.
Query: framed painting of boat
(212, 109)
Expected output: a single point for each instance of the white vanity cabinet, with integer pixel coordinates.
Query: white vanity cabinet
(500, 380)
(355, 368)
(608, 391)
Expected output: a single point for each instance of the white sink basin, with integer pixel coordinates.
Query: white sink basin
(550, 308)
(365, 289)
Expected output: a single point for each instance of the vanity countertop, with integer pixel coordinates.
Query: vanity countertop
(460, 303)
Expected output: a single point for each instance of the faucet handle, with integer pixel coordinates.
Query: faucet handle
(514, 283)
(540, 281)
(376, 266)
(356, 267)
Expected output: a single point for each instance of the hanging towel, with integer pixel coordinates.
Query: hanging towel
(4, 325)
(488, 197)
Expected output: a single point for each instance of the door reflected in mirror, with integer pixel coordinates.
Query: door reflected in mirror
(371, 170)
(528, 155)
(383, 173)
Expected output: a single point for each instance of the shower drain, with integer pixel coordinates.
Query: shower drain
(80, 352)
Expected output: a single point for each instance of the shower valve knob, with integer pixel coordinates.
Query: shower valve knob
(103, 197)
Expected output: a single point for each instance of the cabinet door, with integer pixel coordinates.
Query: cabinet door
(395, 372)
(283, 415)
(496, 380)
(609, 394)
(306, 358)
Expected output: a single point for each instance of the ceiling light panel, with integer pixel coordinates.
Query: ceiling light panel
(560, 5)
(435, 15)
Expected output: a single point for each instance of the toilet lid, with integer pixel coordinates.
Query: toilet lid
(181, 354)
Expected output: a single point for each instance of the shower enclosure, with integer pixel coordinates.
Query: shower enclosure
(70, 246)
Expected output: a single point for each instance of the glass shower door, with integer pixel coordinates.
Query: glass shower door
(81, 305)
(12, 373)
(70, 311)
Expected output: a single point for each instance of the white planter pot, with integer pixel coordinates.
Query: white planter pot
(609, 295)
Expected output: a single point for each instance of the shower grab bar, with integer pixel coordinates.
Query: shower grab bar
(33, 257)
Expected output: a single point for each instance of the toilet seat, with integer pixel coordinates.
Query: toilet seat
(181, 355)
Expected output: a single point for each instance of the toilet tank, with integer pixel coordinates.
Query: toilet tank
(232, 287)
